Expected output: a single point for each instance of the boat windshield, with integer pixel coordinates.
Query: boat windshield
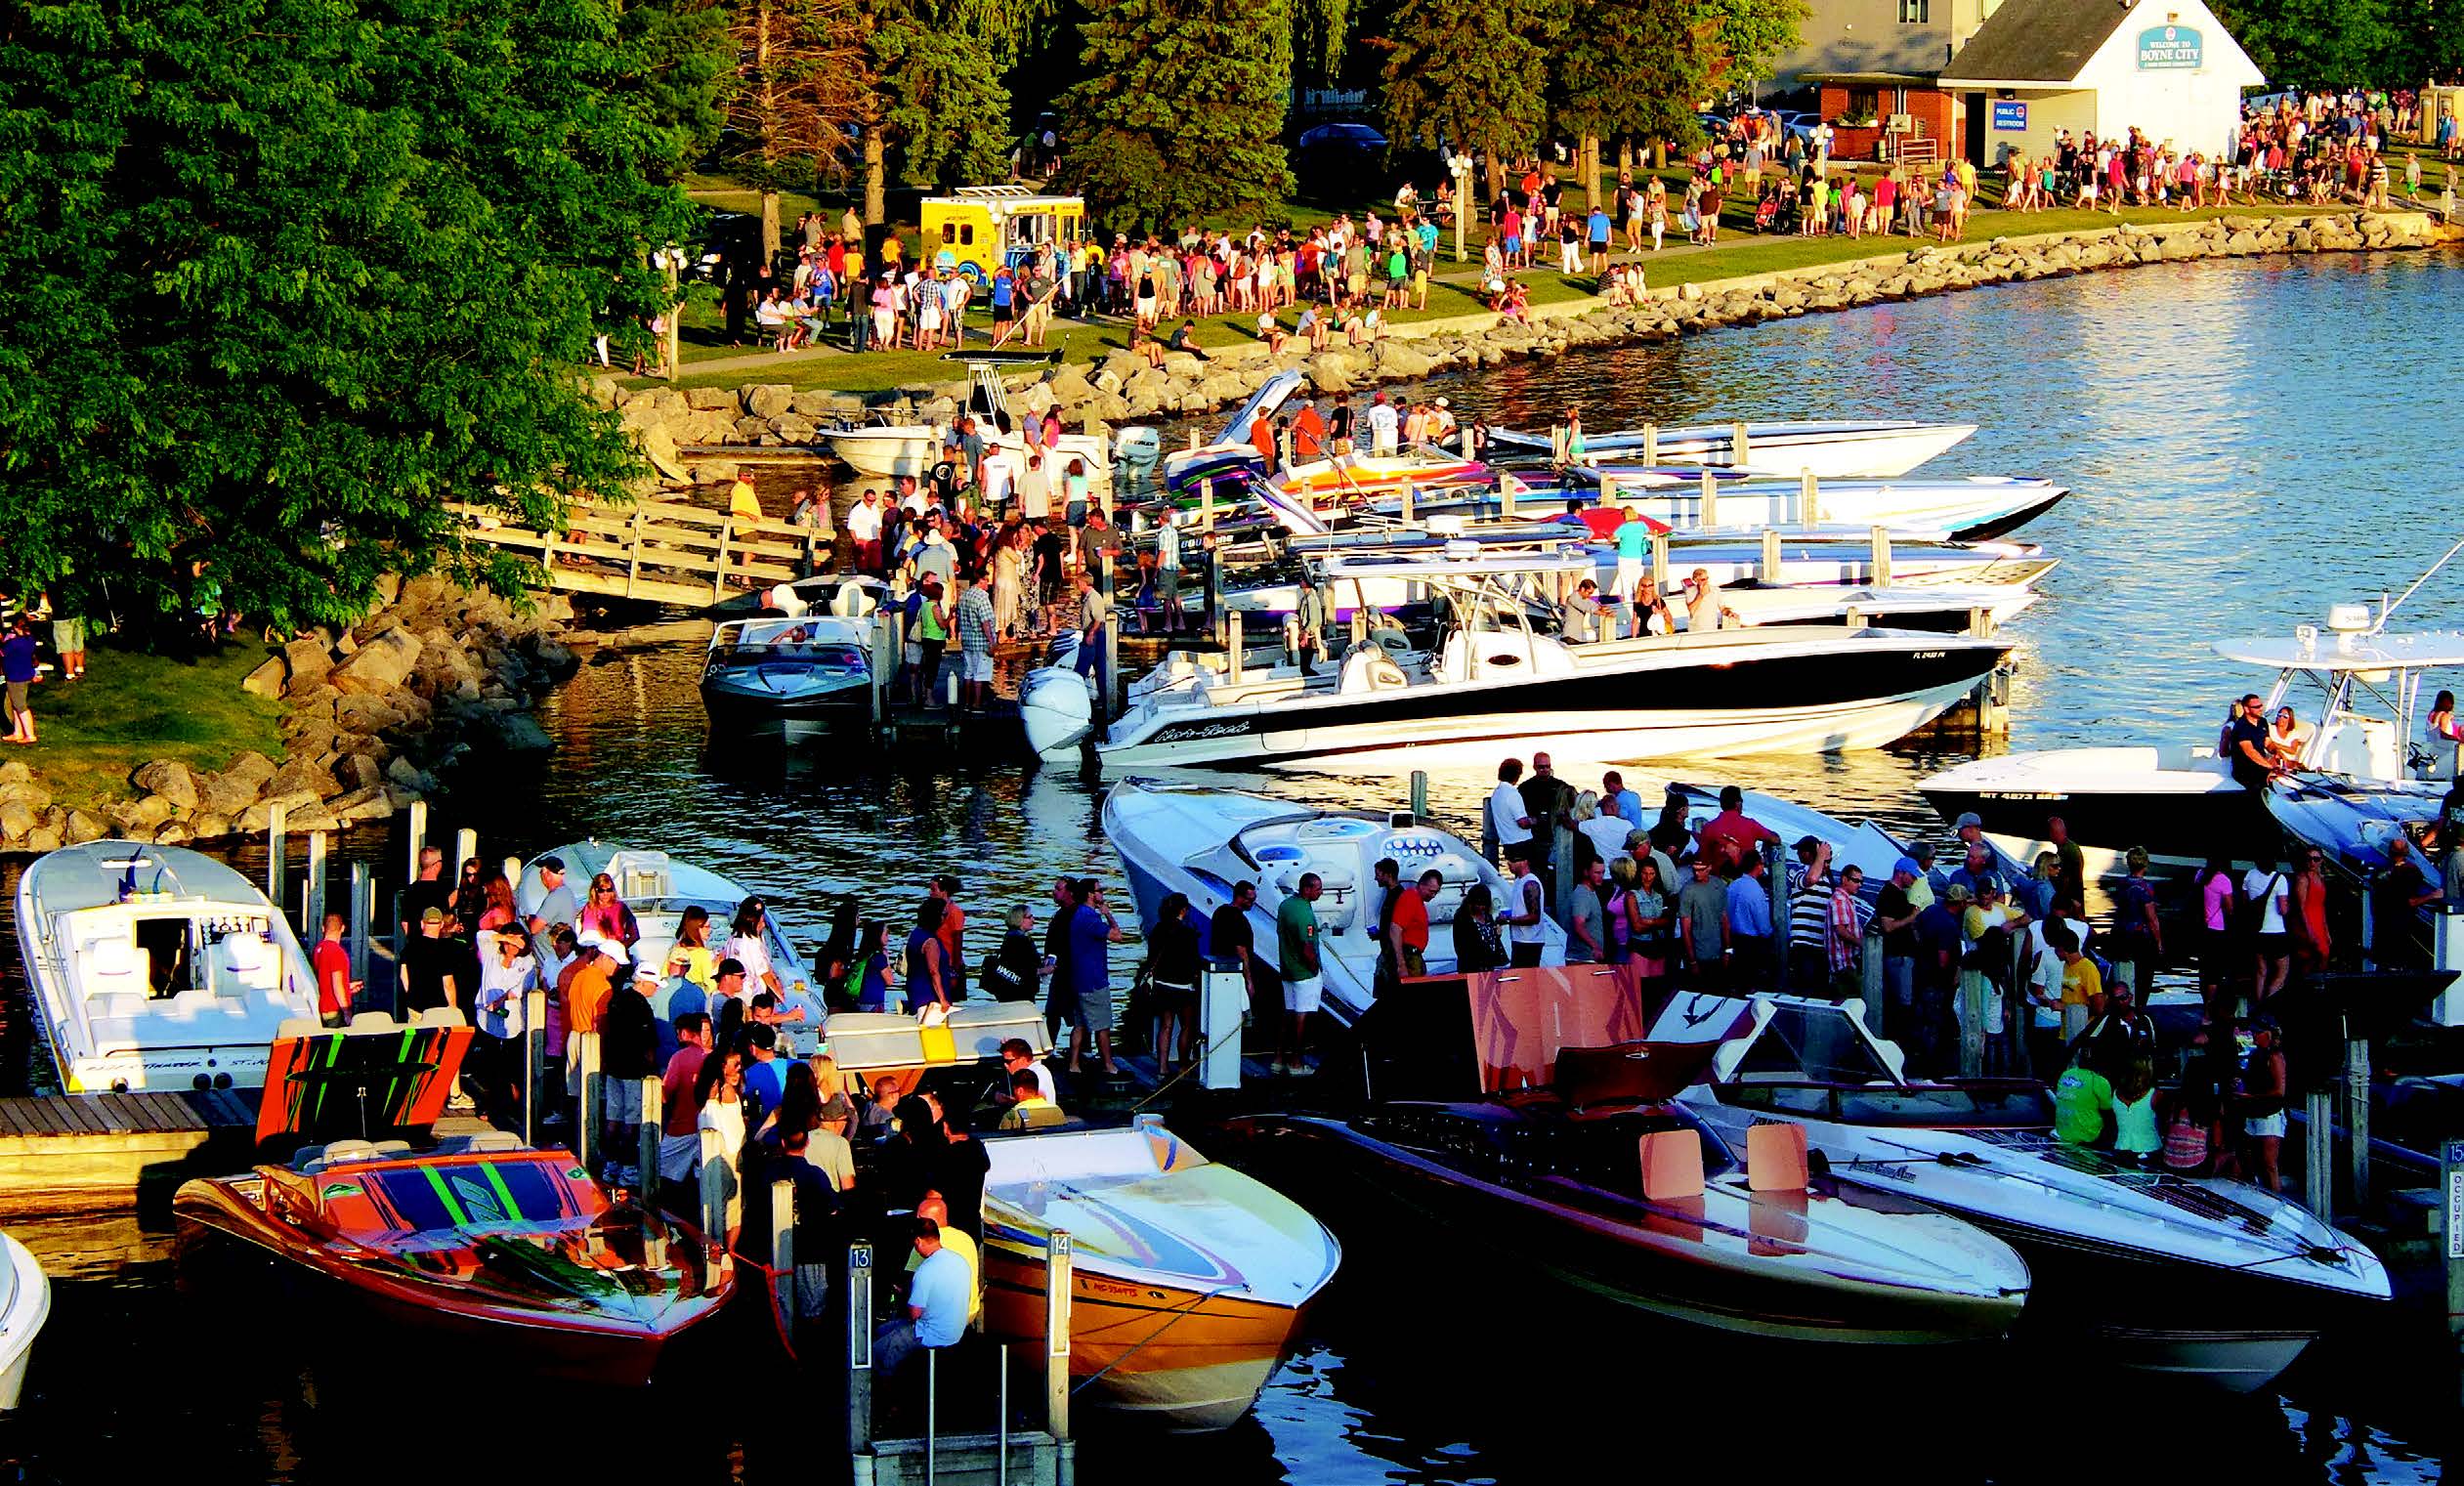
(465, 1196)
(1814, 1042)
(2013, 1106)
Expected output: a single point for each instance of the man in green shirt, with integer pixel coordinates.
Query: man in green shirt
(2081, 1101)
(1297, 958)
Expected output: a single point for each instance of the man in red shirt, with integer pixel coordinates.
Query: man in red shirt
(334, 986)
(1262, 439)
(1308, 435)
(1731, 836)
(680, 1114)
(1407, 925)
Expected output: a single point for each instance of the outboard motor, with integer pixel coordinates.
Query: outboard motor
(1056, 705)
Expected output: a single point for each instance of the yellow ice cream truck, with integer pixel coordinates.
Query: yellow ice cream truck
(980, 228)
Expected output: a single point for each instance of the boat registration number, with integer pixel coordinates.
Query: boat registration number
(2022, 794)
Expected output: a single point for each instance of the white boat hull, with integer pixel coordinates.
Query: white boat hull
(29, 1305)
(885, 453)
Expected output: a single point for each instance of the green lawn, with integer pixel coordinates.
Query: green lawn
(132, 707)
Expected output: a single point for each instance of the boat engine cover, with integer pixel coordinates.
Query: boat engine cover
(1057, 708)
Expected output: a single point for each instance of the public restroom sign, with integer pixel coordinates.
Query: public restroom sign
(2169, 49)
(2009, 114)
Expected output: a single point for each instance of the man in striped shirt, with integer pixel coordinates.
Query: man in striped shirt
(976, 622)
(1809, 917)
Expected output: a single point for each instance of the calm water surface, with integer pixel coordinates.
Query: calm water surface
(2246, 443)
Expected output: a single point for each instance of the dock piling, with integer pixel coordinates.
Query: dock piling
(533, 1061)
(594, 1104)
(645, 1140)
(1869, 980)
(416, 828)
(363, 913)
(313, 914)
(2357, 1119)
(2319, 1154)
(1407, 502)
(1659, 561)
(1880, 577)
(1808, 498)
(782, 1248)
(1769, 574)
(1057, 1283)
(465, 849)
(512, 867)
(859, 1347)
(1419, 794)
(1651, 445)
(1740, 452)
(1972, 1024)
(276, 849)
(1232, 646)
(1507, 485)
(1709, 517)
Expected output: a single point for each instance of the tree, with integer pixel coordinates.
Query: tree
(1634, 70)
(801, 83)
(1179, 114)
(284, 278)
(1470, 73)
(677, 53)
(2315, 43)
(942, 101)
(1746, 37)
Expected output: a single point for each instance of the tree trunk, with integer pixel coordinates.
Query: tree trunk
(769, 125)
(1591, 167)
(1625, 155)
(1495, 175)
(770, 226)
(1659, 155)
(877, 176)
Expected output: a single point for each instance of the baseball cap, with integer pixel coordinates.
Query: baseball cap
(431, 915)
(1907, 865)
(1968, 818)
(1957, 892)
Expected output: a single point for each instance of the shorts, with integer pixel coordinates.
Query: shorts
(2272, 945)
(69, 635)
(1301, 997)
(975, 665)
(1095, 1008)
(623, 1101)
(1077, 513)
(1003, 314)
(2264, 1127)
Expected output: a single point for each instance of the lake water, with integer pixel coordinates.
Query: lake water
(2246, 443)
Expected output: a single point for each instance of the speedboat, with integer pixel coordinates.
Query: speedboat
(964, 1041)
(2357, 685)
(1964, 508)
(1358, 477)
(157, 968)
(471, 1247)
(658, 888)
(1565, 1155)
(2354, 820)
(2200, 1278)
(802, 667)
(1878, 448)
(884, 451)
(1231, 449)
(1186, 838)
(26, 1304)
(1189, 1280)
(1723, 692)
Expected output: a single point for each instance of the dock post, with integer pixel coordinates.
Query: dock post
(1205, 505)
(1770, 557)
(1407, 502)
(1740, 453)
(512, 867)
(1659, 561)
(1102, 568)
(1232, 644)
(1214, 587)
(363, 911)
(1808, 498)
(2319, 1154)
(1419, 794)
(465, 849)
(533, 1061)
(783, 1250)
(1111, 687)
(314, 915)
(645, 1140)
(859, 1347)
(1777, 876)
(594, 1105)
(1505, 486)
(1057, 1284)
(1972, 1024)
(1557, 444)
(1869, 979)
(277, 821)
(2357, 1119)
(1651, 445)
(417, 827)
(1880, 577)
(2452, 1234)
(1709, 517)
(897, 632)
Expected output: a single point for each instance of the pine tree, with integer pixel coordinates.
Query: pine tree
(1470, 73)
(800, 85)
(1179, 115)
(941, 100)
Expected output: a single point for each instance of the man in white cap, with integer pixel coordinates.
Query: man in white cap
(1441, 421)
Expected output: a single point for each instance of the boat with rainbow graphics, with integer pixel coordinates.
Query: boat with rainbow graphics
(1189, 1280)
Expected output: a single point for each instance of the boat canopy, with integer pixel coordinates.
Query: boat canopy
(1828, 1042)
(2349, 652)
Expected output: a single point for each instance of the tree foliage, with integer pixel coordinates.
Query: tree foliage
(2343, 43)
(1636, 70)
(941, 99)
(800, 84)
(677, 53)
(1179, 112)
(1744, 38)
(284, 278)
(1470, 73)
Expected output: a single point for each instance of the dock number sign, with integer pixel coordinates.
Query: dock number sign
(2452, 1168)
(2169, 49)
(2009, 114)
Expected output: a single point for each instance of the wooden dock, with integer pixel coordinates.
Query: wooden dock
(92, 1151)
(660, 551)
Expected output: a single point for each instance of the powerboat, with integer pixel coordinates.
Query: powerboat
(1361, 475)
(2197, 1278)
(883, 452)
(26, 1304)
(1232, 449)
(2354, 820)
(1961, 509)
(801, 666)
(2361, 684)
(157, 968)
(475, 1245)
(1187, 838)
(1775, 688)
(658, 888)
(1189, 1280)
(966, 1040)
(1571, 1159)
(1879, 447)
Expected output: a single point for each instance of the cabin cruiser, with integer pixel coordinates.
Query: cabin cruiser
(1513, 1112)
(801, 666)
(1878, 448)
(474, 1246)
(658, 889)
(155, 967)
(1778, 688)
(2200, 1278)
(2357, 686)
(1201, 842)
(1190, 1280)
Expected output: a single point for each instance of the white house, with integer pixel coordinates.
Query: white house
(2167, 68)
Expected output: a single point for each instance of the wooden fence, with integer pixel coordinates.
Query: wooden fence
(658, 550)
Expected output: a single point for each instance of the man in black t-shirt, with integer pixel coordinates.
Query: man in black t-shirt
(1232, 944)
(2246, 744)
(433, 964)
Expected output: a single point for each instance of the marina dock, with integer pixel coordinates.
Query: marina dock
(87, 1152)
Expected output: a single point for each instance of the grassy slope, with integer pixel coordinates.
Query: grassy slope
(133, 707)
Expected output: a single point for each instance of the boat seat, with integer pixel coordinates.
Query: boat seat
(494, 1140)
(441, 1016)
(1369, 669)
(1775, 1157)
(853, 601)
(374, 1021)
(113, 966)
(1671, 1166)
(389, 1148)
(291, 1027)
(315, 1159)
(245, 955)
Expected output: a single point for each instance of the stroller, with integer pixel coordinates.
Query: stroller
(1767, 213)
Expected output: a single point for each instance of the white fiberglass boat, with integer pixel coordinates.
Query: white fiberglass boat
(1778, 688)
(2199, 1278)
(157, 968)
(2355, 687)
(1189, 1280)
(1882, 448)
(26, 1304)
(803, 667)
(1186, 838)
(1962, 508)
(885, 451)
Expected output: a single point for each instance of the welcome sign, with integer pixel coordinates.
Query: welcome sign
(2169, 49)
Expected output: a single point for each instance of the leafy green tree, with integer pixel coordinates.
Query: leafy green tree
(1470, 73)
(677, 53)
(285, 278)
(1179, 115)
(1635, 71)
(2313, 43)
(1746, 37)
(941, 99)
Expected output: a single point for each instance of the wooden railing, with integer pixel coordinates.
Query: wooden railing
(658, 550)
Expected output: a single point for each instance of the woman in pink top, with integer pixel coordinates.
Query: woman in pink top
(606, 916)
(2216, 911)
